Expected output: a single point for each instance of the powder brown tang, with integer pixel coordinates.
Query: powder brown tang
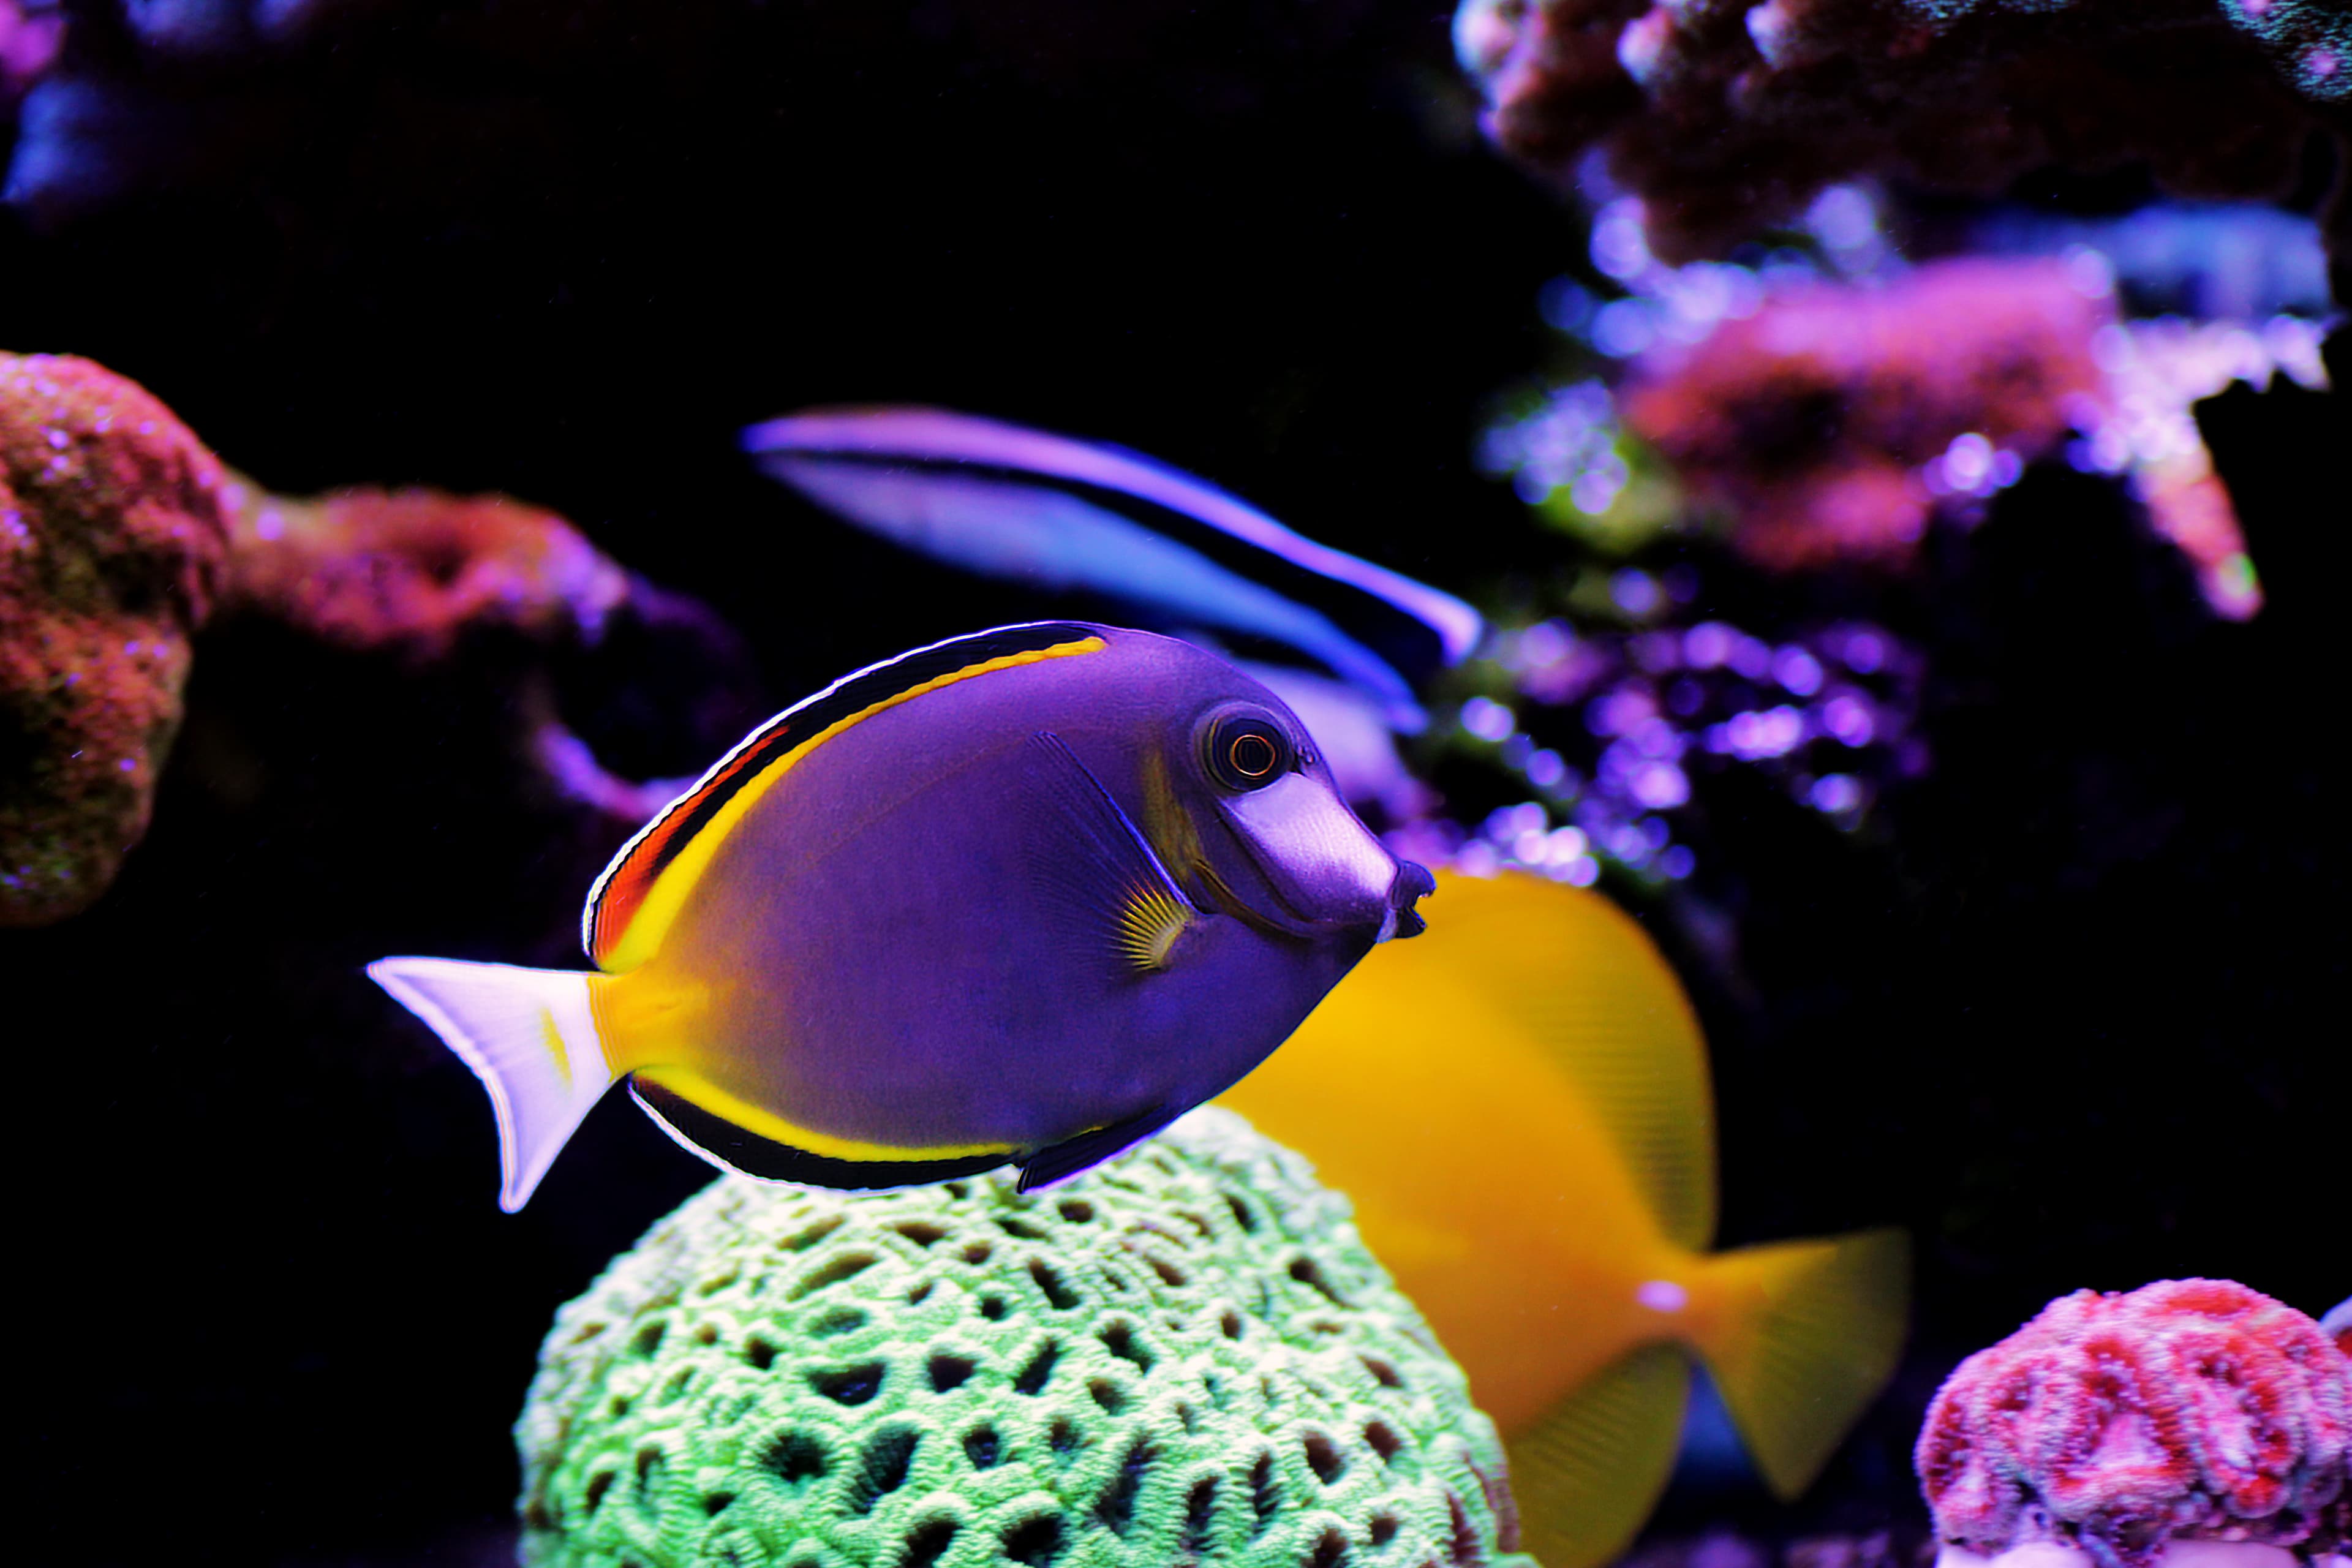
(1025, 896)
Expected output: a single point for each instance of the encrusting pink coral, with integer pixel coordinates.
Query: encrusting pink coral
(411, 569)
(1813, 422)
(409, 572)
(2189, 1410)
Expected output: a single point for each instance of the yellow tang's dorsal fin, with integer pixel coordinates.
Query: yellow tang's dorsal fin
(1598, 999)
(641, 892)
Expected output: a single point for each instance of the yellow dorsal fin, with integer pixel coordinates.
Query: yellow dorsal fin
(1601, 1003)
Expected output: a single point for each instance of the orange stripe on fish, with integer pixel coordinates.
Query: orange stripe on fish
(617, 929)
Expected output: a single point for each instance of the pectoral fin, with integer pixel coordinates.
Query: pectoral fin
(1101, 878)
(1059, 1162)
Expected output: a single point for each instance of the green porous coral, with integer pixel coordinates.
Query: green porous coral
(1184, 1357)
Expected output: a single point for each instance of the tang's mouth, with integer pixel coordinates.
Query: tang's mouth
(1412, 884)
(1318, 871)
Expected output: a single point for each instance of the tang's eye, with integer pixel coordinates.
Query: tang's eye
(1248, 752)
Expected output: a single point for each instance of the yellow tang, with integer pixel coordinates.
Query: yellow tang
(1518, 1105)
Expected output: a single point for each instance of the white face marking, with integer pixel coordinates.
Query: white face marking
(1320, 849)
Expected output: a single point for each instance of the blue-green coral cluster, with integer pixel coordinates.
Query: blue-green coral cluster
(1184, 1357)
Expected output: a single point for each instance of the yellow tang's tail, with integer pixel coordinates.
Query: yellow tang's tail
(1801, 1335)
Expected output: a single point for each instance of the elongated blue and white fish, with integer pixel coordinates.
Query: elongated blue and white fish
(1025, 896)
(1006, 502)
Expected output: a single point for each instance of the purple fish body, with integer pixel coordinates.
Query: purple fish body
(1021, 897)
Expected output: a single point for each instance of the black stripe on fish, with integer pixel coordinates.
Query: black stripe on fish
(722, 1141)
(1410, 644)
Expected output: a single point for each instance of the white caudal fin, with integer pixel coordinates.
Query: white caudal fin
(530, 1037)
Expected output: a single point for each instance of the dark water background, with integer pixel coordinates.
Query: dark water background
(2079, 1022)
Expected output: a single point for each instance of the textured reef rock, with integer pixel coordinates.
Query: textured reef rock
(1726, 115)
(414, 573)
(1814, 420)
(2191, 1408)
(1186, 1356)
(409, 570)
(120, 534)
(111, 541)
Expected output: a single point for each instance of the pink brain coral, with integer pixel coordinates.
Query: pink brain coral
(2195, 1408)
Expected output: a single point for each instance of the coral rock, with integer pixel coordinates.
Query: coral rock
(111, 538)
(410, 569)
(1813, 420)
(2112, 1422)
(1727, 115)
(120, 533)
(1186, 1356)
(413, 572)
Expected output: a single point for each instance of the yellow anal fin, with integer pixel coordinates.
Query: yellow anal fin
(736, 1135)
(1800, 1337)
(1588, 1474)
